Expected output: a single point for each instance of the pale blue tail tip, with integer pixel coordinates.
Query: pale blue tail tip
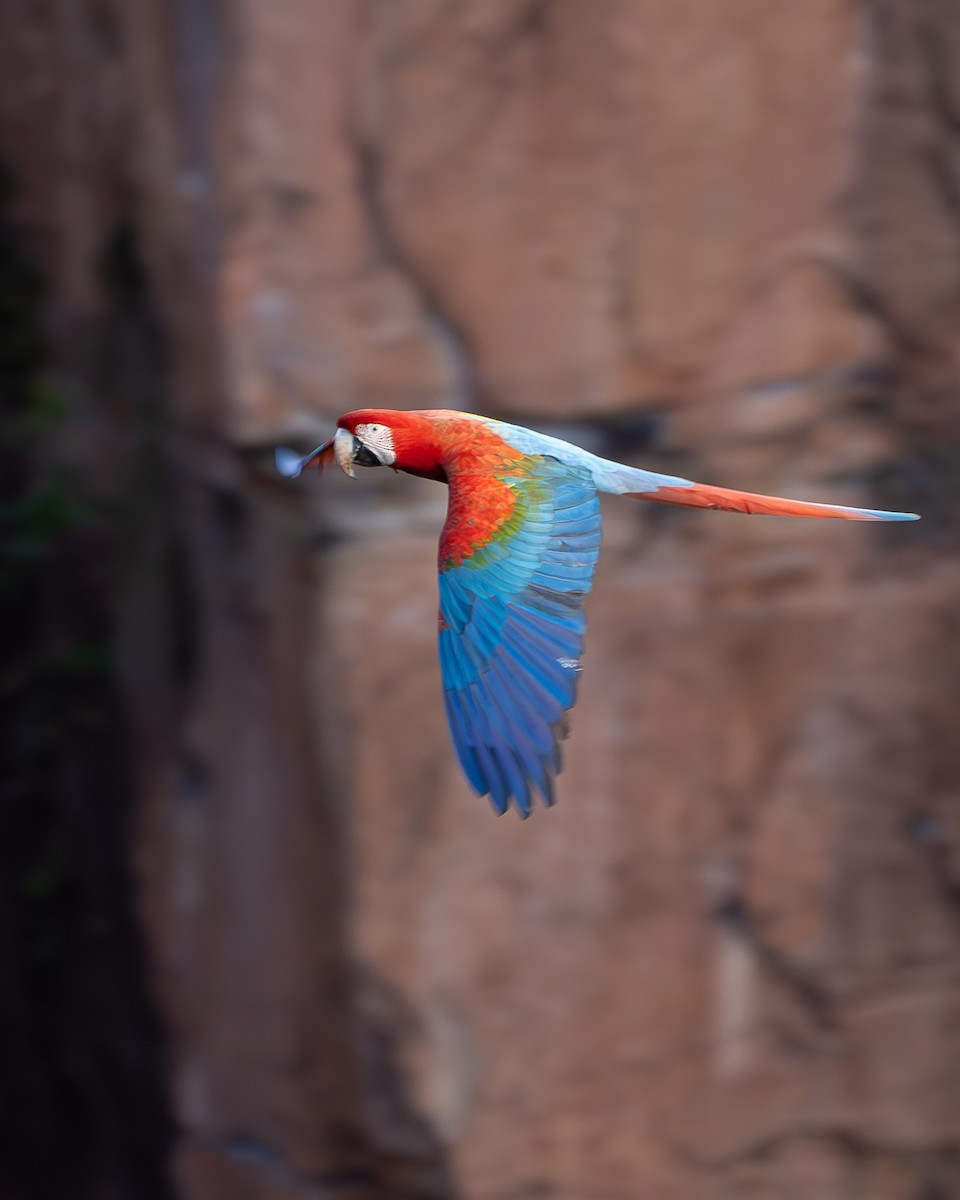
(289, 463)
(880, 515)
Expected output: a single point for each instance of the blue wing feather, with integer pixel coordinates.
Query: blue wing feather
(512, 634)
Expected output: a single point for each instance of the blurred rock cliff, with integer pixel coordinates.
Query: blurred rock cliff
(718, 239)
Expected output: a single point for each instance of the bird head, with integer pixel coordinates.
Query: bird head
(364, 439)
(358, 442)
(377, 437)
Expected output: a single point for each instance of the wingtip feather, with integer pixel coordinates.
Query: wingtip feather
(289, 463)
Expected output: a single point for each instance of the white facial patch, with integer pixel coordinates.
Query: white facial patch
(379, 439)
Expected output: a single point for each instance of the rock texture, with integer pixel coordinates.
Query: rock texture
(718, 239)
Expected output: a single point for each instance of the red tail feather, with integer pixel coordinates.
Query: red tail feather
(700, 495)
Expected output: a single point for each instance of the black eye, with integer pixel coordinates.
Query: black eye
(364, 457)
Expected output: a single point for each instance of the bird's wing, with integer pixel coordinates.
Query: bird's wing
(517, 556)
(290, 464)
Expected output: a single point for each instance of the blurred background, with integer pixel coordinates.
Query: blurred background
(257, 939)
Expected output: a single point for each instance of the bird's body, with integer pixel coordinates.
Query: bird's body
(516, 560)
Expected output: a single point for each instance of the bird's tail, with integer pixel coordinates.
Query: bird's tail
(701, 495)
(621, 480)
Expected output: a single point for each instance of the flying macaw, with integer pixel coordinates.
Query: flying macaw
(516, 560)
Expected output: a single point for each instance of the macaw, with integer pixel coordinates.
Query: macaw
(516, 560)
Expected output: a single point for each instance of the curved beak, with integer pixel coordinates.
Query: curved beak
(344, 450)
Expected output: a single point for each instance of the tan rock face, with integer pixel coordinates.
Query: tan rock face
(530, 206)
(726, 963)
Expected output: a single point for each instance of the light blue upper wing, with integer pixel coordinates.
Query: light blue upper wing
(511, 630)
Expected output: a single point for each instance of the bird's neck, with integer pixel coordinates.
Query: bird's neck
(420, 451)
